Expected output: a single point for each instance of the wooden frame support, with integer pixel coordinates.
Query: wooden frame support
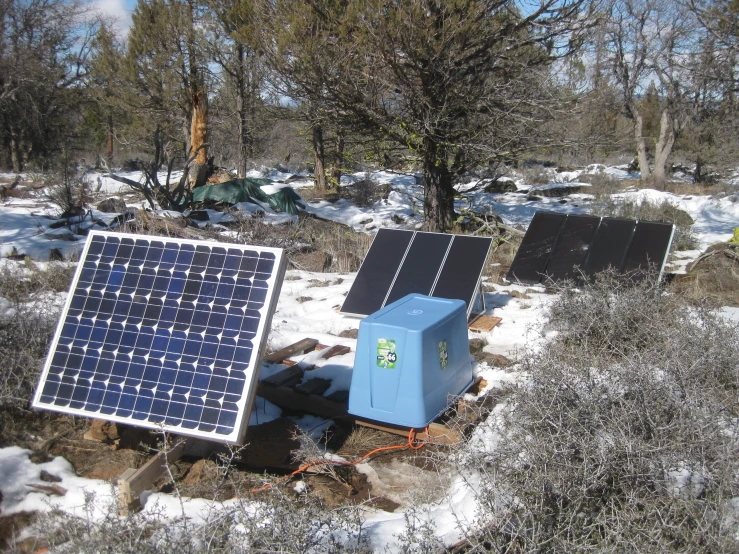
(133, 482)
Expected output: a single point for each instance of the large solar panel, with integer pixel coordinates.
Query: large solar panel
(377, 272)
(402, 262)
(421, 264)
(610, 244)
(536, 248)
(163, 333)
(558, 247)
(572, 247)
(649, 247)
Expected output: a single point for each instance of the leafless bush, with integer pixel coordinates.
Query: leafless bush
(274, 521)
(625, 436)
(536, 175)
(69, 192)
(665, 211)
(30, 317)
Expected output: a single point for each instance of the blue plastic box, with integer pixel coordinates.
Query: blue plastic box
(412, 356)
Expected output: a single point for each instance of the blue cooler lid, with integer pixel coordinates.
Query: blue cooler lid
(416, 312)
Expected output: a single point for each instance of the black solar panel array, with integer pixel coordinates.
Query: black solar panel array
(163, 332)
(401, 262)
(558, 247)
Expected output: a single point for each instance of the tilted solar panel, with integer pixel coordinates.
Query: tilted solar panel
(377, 272)
(536, 248)
(161, 332)
(402, 262)
(649, 247)
(560, 247)
(420, 269)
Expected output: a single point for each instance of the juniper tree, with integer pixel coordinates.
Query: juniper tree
(457, 82)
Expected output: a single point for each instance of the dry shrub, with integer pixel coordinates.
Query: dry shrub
(624, 438)
(27, 330)
(274, 521)
(665, 211)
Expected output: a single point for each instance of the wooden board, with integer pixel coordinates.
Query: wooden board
(300, 347)
(336, 350)
(287, 397)
(314, 386)
(285, 378)
(437, 433)
(484, 323)
(135, 481)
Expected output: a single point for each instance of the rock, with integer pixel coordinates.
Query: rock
(349, 333)
(476, 345)
(201, 470)
(102, 431)
(301, 299)
(112, 206)
(500, 360)
(500, 187)
(519, 295)
(49, 478)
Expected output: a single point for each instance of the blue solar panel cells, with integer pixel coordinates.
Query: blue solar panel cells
(162, 332)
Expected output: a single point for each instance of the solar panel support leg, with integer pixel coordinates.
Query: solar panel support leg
(135, 481)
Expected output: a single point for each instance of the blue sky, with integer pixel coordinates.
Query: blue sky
(120, 10)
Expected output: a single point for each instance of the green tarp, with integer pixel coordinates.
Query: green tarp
(232, 192)
(248, 190)
(286, 200)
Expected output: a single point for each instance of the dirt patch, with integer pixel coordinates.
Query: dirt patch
(10, 528)
(713, 277)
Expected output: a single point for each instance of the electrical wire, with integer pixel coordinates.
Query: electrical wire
(410, 444)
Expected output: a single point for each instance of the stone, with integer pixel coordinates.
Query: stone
(102, 431)
(476, 345)
(201, 470)
(112, 206)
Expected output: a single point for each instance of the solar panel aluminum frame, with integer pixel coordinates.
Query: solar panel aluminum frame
(246, 402)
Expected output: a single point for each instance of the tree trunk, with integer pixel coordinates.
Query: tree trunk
(663, 148)
(320, 158)
(111, 132)
(243, 111)
(17, 157)
(641, 148)
(199, 138)
(438, 193)
(338, 160)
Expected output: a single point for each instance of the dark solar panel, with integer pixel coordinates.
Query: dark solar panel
(460, 275)
(403, 262)
(572, 247)
(610, 244)
(533, 255)
(556, 245)
(421, 266)
(378, 270)
(163, 332)
(649, 246)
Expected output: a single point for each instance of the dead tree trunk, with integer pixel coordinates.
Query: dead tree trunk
(641, 147)
(199, 138)
(663, 148)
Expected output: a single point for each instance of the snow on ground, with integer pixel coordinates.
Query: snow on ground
(308, 306)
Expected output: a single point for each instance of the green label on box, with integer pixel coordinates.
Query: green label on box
(443, 355)
(386, 355)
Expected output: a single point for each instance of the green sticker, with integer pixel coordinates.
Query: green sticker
(386, 355)
(443, 355)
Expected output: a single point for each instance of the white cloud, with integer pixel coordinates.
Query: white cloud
(117, 10)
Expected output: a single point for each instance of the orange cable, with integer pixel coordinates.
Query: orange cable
(410, 444)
